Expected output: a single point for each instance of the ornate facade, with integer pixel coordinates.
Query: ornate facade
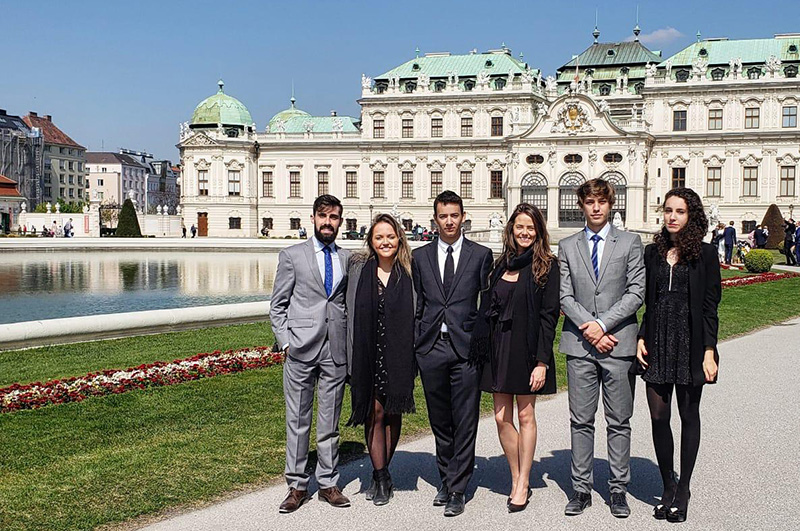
(716, 116)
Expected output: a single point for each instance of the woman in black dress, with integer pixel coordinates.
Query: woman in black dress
(380, 302)
(513, 340)
(678, 338)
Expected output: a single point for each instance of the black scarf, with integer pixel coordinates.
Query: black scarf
(399, 352)
(480, 348)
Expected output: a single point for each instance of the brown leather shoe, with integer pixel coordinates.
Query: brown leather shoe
(334, 496)
(294, 500)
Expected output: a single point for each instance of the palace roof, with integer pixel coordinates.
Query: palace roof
(721, 51)
(435, 65)
(602, 54)
(221, 109)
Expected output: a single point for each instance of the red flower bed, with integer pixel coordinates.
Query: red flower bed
(75, 389)
(756, 279)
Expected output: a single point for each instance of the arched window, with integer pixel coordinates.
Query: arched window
(469, 84)
(718, 74)
(638, 87)
(499, 83)
(605, 89)
(569, 213)
(439, 86)
(534, 191)
(620, 185)
(411, 86)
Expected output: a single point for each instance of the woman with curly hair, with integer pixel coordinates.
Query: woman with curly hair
(513, 339)
(678, 338)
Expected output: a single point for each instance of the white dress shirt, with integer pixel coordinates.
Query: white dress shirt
(603, 233)
(320, 256)
(442, 250)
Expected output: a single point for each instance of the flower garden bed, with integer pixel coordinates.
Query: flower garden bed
(31, 396)
(756, 279)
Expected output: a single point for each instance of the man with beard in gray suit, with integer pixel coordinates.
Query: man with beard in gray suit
(310, 323)
(602, 287)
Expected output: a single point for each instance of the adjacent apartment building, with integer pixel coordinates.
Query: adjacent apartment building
(114, 176)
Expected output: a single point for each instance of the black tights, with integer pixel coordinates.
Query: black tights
(659, 399)
(382, 432)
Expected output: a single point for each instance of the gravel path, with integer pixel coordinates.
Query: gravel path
(747, 475)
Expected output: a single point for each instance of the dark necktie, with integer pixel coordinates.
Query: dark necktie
(449, 270)
(596, 239)
(328, 270)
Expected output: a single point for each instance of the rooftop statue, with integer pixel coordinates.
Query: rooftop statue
(366, 82)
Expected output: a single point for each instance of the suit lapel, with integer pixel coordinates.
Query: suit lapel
(433, 259)
(608, 251)
(583, 249)
(463, 259)
(343, 262)
(312, 263)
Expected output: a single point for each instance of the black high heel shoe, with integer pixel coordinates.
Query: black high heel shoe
(513, 508)
(660, 510)
(678, 512)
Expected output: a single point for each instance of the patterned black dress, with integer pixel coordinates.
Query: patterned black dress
(381, 376)
(670, 354)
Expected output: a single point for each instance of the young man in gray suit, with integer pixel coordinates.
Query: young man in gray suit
(602, 287)
(310, 323)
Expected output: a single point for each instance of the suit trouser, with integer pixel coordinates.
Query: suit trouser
(728, 253)
(453, 398)
(299, 380)
(585, 377)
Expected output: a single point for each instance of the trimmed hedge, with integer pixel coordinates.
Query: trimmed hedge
(128, 224)
(758, 261)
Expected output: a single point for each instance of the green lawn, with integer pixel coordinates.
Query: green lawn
(109, 459)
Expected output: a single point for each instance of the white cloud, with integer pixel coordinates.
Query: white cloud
(659, 37)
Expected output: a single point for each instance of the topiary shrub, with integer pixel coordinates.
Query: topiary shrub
(773, 219)
(758, 261)
(128, 224)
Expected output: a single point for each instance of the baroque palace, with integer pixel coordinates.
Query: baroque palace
(720, 116)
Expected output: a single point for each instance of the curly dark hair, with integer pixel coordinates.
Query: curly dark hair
(690, 238)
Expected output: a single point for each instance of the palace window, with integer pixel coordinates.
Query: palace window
(202, 182)
(714, 182)
(678, 177)
(411, 86)
(497, 126)
(380, 88)
(436, 183)
(351, 184)
(378, 184)
(234, 183)
(408, 185)
(638, 87)
(267, 184)
(572, 158)
(377, 129)
(790, 71)
(499, 83)
(679, 120)
(408, 128)
(496, 185)
(322, 183)
(469, 84)
(466, 184)
(266, 223)
(789, 116)
(754, 73)
(351, 224)
(714, 119)
(466, 126)
(612, 158)
(294, 223)
(787, 181)
(234, 223)
(534, 159)
(718, 74)
(750, 181)
(439, 86)
(408, 224)
(682, 75)
(294, 184)
(605, 89)
(436, 127)
(751, 117)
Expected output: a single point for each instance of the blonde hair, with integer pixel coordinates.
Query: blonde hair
(403, 255)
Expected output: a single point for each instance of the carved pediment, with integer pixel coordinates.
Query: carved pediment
(202, 164)
(234, 165)
(200, 139)
(465, 165)
(436, 165)
(788, 160)
(572, 119)
(714, 160)
(377, 166)
(495, 165)
(750, 160)
(678, 162)
(407, 165)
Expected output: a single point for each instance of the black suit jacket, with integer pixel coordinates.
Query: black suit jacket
(705, 292)
(457, 309)
(730, 236)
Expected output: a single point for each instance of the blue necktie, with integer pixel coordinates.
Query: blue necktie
(596, 239)
(328, 270)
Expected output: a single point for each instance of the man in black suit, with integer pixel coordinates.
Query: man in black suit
(730, 242)
(448, 276)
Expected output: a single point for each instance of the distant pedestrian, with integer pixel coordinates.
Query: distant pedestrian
(194, 230)
(788, 241)
(68, 229)
(797, 246)
(24, 229)
(730, 242)
(760, 237)
(183, 229)
(55, 229)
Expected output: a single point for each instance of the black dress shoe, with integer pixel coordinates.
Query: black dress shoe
(455, 504)
(660, 510)
(577, 503)
(619, 505)
(441, 497)
(679, 509)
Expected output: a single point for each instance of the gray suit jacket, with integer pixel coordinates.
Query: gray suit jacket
(302, 314)
(613, 298)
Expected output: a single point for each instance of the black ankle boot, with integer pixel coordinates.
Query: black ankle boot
(384, 490)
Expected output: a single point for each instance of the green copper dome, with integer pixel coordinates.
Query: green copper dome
(291, 112)
(221, 109)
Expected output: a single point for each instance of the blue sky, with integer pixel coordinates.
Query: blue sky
(124, 74)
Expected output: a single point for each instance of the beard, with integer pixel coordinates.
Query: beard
(326, 239)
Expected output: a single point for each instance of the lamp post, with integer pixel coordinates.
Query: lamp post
(370, 213)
